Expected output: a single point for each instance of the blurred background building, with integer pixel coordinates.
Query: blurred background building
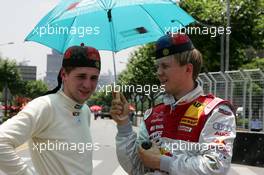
(28, 72)
(53, 66)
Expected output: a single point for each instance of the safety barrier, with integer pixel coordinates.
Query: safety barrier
(249, 149)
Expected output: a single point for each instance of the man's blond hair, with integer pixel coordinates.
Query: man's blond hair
(192, 56)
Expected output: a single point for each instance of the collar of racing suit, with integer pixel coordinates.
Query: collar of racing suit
(195, 93)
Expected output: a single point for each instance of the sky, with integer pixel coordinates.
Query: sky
(18, 18)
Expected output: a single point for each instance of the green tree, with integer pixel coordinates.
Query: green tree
(254, 64)
(141, 72)
(100, 98)
(247, 23)
(35, 88)
(9, 75)
(141, 67)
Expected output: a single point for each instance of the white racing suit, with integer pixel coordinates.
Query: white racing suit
(195, 135)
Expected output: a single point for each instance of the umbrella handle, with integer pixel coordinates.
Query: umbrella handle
(117, 97)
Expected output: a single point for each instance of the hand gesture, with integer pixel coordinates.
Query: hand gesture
(119, 109)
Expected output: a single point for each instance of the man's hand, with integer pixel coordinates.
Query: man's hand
(119, 109)
(150, 157)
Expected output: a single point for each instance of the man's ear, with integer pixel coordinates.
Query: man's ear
(189, 69)
(63, 73)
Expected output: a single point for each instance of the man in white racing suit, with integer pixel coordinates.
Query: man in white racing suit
(190, 133)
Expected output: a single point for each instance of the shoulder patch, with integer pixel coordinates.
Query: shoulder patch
(210, 106)
(224, 111)
(147, 113)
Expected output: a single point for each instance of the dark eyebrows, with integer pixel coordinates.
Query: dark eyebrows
(94, 77)
(81, 75)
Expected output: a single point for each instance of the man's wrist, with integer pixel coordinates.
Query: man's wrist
(122, 122)
(157, 162)
(125, 129)
(165, 163)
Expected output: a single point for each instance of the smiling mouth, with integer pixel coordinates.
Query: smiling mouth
(163, 81)
(84, 92)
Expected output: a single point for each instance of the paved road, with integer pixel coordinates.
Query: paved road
(105, 161)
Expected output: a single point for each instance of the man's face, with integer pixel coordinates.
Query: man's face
(173, 77)
(80, 83)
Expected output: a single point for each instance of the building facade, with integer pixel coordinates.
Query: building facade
(28, 72)
(53, 66)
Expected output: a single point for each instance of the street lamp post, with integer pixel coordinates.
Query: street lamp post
(227, 35)
(222, 39)
(8, 43)
(5, 91)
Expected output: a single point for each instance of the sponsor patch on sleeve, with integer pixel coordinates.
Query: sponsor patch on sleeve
(224, 111)
(147, 113)
(222, 133)
(222, 127)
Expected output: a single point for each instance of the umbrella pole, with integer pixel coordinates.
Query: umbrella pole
(113, 56)
(109, 15)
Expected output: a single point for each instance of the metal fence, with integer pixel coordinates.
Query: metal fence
(245, 89)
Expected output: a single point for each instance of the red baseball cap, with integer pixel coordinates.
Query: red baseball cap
(81, 56)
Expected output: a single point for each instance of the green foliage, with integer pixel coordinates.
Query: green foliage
(100, 98)
(241, 121)
(247, 23)
(141, 71)
(202, 10)
(9, 74)
(141, 68)
(35, 89)
(257, 91)
(254, 64)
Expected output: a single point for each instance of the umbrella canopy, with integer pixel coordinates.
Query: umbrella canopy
(95, 108)
(108, 24)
